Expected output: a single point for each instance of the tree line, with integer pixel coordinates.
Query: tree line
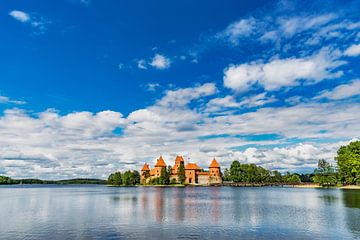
(348, 167)
(128, 178)
(347, 171)
(7, 181)
(250, 173)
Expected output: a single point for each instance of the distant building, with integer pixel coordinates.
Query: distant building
(193, 173)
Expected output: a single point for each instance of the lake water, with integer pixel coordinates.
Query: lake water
(100, 212)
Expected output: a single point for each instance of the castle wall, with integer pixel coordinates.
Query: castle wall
(203, 179)
(190, 177)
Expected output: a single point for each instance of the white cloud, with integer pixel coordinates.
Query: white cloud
(141, 64)
(280, 73)
(353, 50)
(293, 25)
(160, 62)
(38, 23)
(237, 30)
(151, 87)
(181, 97)
(222, 104)
(84, 144)
(20, 15)
(342, 91)
(7, 100)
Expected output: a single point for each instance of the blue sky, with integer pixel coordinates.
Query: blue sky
(88, 87)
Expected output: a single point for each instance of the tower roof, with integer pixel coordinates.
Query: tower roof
(192, 166)
(145, 167)
(179, 158)
(214, 164)
(160, 162)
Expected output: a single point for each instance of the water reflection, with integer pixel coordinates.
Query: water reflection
(179, 208)
(98, 212)
(351, 198)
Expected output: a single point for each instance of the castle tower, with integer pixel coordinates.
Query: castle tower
(160, 164)
(144, 173)
(178, 161)
(215, 172)
(191, 170)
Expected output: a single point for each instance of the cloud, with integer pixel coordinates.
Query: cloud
(7, 100)
(160, 62)
(151, 87)
(20, 15)
(353, 50)
(237, 30)
(293, 25)
(182, 97)
(280, 73)
(38, 23)
(85, 144)
(141, 64)
(342, 91)
(222, 104)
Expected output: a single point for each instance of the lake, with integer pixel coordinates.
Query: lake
(100, 212)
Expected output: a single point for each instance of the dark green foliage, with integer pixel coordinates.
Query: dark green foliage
(348, 161)
(115, 179)
(325, 174)
(128, 178)
(250, 173)
(306, 177)
(164, 178)
(136, 177)
(5, 180)
(181, 173)
(155, 181)
(226, 176)
(276, 177)
(291, 178)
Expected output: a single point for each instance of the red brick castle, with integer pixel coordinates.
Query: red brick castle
(194, 174)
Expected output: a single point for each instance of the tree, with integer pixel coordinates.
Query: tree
(181, 173)
(164, 178)
(348, 161)
(136, 176)
(325, 174)
(249, 173)
(235, 171)
(226, 176)
(115, 179)
(291, 178)
(128, 178)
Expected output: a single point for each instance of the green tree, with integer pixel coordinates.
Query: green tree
(128, 178)
(348, 162)
(249, 173)
(235, 172)
(325, 174)
(181, 173)
(291, 178)
(276, 177)
(226, 175)
(136, 176)
(115, 179)
(164, 177)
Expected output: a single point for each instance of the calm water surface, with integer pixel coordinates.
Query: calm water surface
(100, 212)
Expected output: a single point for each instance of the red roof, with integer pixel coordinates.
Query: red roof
(179, 159)
(145, 167)
(202, 173)
(160, 162)
(214, 164)
(192, 166)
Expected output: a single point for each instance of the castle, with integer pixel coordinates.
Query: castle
(194, 174)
